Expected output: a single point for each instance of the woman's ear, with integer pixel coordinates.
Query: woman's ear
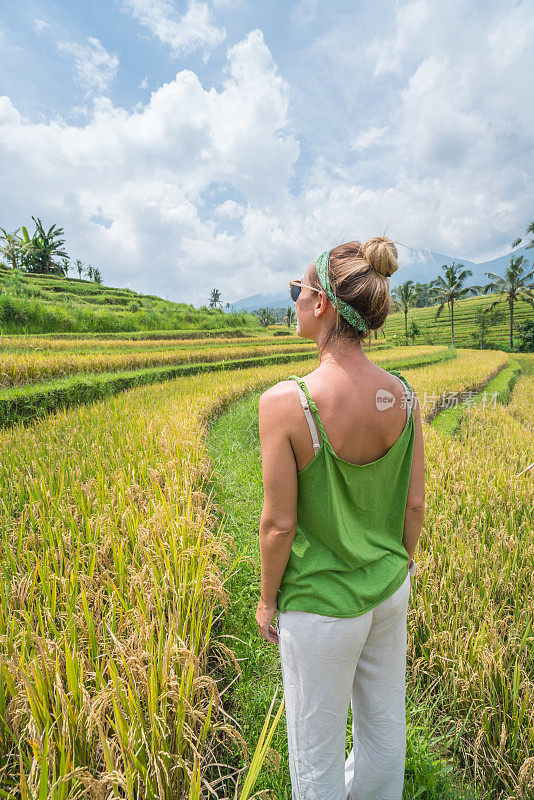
(322, 302)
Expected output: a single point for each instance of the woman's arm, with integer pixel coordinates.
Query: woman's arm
(279, 514)
(415, 502)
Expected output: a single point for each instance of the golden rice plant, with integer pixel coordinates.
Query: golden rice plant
(112, 570)
(521, 404)
(111, 584)
(471, 617)
(17, 369)
(47, 344)
(436, 385)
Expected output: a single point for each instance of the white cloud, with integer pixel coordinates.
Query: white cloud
(511, 33)
(372, 136)
(146, 172)
(204, 185)
(453, 169)
(82, 111)
(230, 209)
(228, 5)
(184, 33)
(439, 127)
(414, 31)
(96, 68)
(304, 13)
(40, 25)
(8, 113)
(144, 83)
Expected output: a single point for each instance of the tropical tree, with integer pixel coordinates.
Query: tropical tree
(266, 317)
(11, 247)
(529, 230)
(405, 297)
(290, 313)
(525, 330)
(78, 265)
(89, 271)
(414, 330)
(512, 287)
(484, 320)
(215, 298)
(27, 248)
(449, 290)
(97, 276)
(47, 247)
(423, 294)
(21, 251)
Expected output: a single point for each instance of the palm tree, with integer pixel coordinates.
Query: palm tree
(215, 298)
(518, 241)
(405, 297)
(27, 248)
(449, 290)
(512, 286)
(11, 248)
(266, 317)
(289, 316)
(17, 249)
(422, 290)
(46, 248)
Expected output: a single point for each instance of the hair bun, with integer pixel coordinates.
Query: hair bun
(381, 254)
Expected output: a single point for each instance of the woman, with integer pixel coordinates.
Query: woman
(343, 511)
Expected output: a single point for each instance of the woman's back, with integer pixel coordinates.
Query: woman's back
(363, 411)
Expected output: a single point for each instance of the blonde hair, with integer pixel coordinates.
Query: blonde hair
(358, 274)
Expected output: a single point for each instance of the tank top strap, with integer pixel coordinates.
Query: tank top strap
(311, 404)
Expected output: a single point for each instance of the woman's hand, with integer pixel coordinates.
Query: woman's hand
(264, 617)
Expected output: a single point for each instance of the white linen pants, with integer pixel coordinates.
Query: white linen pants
(328, 662)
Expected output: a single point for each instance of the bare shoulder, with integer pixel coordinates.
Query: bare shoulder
(278, 399)
(390, 379)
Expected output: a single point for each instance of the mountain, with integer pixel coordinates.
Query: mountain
(423, 266)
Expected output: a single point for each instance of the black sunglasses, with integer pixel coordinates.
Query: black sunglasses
(295, 288)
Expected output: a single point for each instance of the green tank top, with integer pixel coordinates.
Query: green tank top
(347, 555)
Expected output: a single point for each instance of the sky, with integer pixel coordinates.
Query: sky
(186, 146)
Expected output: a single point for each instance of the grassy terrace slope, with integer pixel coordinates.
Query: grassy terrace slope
(50, 303)
(439, 331)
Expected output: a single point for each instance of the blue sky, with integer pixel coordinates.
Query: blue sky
(190, 145)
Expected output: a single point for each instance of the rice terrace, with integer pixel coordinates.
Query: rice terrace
(130, 496)
(223, 224)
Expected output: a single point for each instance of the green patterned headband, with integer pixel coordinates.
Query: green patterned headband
(350, 313)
